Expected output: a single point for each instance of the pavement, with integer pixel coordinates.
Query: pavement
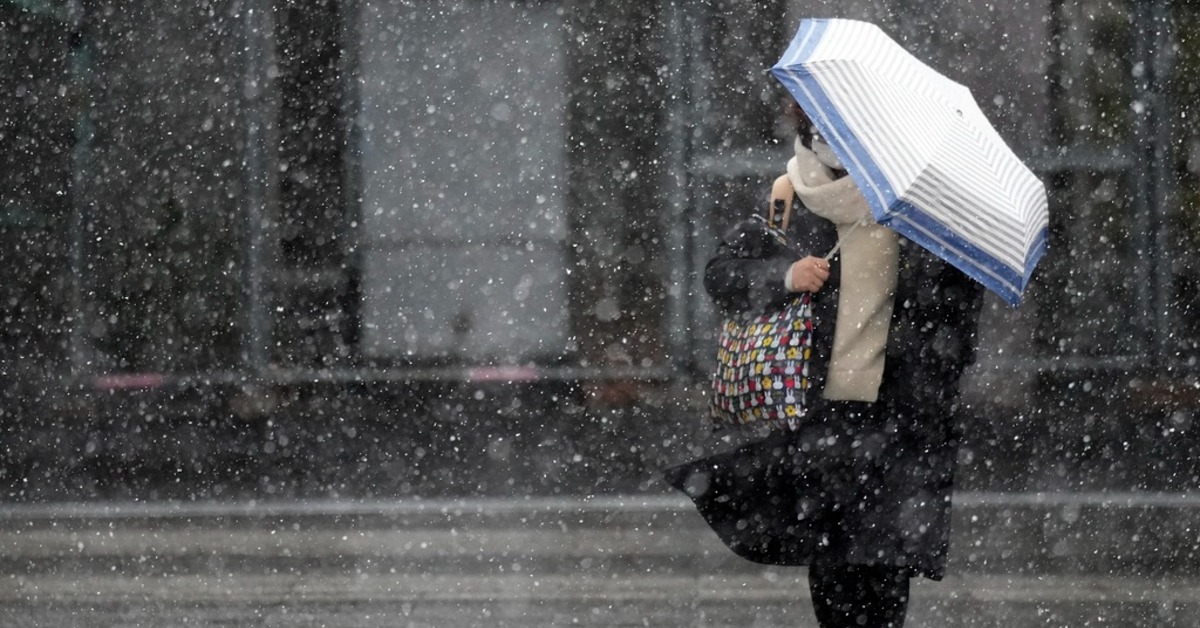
(1017, 560)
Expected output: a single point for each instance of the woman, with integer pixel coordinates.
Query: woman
(860, 492)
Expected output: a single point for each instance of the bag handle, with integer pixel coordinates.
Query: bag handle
(782, 195)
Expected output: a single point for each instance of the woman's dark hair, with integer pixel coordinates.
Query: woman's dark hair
(805, 129)
(800, 121)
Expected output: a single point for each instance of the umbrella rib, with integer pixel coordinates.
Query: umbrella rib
(1021, 192)
(963, 259)
(880, 196)
(876, 158)
(992, 234)
(996, 241)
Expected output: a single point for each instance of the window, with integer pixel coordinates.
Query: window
(463, 174)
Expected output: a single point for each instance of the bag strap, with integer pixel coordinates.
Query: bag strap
(782, 195)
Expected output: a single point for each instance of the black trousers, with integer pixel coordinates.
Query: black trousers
(858, 596)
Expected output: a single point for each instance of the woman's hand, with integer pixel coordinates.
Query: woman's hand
(808, 274)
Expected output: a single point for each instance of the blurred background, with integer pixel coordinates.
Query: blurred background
(354, 249)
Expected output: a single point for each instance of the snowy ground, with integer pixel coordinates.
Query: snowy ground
(1019, 561)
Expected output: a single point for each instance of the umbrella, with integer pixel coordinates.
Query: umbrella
(926, 158)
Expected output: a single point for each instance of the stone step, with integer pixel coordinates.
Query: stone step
(1019, 561)
(1141, 535)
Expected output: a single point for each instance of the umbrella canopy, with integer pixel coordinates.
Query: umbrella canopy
(926, 158)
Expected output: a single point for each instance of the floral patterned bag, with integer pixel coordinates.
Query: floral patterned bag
(762, 368)
(762, 373)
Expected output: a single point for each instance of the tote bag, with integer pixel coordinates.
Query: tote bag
(762, 372)
(762, 368)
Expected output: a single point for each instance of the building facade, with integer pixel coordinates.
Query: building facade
(245, 208)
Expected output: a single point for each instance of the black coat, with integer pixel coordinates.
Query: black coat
(859, 483)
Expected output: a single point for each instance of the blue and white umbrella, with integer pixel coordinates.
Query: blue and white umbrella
(925, 157)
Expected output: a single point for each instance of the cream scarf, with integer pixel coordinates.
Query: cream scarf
(869, 259)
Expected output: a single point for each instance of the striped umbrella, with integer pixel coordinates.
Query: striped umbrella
(925, 157)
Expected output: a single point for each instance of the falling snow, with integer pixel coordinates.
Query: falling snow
(387, 312)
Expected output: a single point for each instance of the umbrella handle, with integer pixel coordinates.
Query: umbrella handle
(782, 195)
(861, 221)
